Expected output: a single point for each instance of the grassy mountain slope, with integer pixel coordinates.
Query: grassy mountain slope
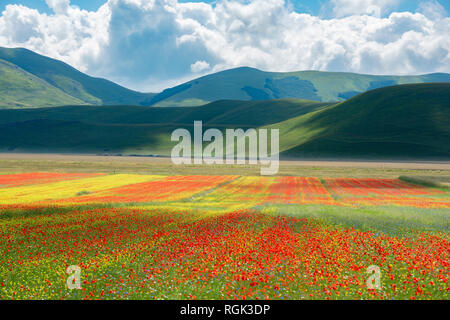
(404, 122)
(71, 81)
(408, 121)
(245, 84)
(132, 129)
(253, 84)
(243, 113)
(19, 88)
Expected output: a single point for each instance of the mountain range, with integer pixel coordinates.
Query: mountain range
(28, 79)
(398, 122)
(48, 106)
(253, 84)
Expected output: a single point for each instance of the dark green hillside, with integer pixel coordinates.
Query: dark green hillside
(42, 135)
(399, 122)
(408, 121)
(244, 113)
(130, 129)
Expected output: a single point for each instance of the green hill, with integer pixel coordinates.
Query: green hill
(225, 112)
(253, 84)
(132, 129)
(19, 88)
(79, 86)
(399, 122)
(408, 121)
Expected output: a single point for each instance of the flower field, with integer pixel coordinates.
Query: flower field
(10, 180)
(221, 237)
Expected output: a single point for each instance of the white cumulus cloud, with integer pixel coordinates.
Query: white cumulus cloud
(59, 6)
(200, 66)
(150, 44)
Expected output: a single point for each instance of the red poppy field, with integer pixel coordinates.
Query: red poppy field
(222, 237)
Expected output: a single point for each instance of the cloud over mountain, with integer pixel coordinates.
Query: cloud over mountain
(147, 44)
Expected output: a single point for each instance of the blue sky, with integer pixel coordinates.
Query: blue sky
(305, 6)
(151, 45)
(42, 6)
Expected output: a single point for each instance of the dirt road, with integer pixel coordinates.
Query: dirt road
(425, 165)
